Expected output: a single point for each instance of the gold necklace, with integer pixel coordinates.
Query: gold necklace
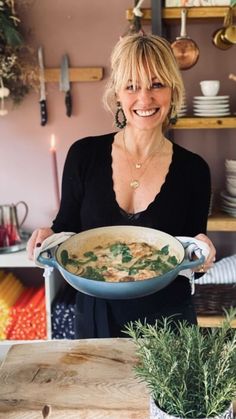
(135, 182)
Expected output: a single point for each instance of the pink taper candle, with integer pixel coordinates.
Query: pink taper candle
(55, 170)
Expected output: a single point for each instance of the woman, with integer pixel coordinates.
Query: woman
(135, 177)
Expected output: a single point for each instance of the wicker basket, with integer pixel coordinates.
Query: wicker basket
(213, 298)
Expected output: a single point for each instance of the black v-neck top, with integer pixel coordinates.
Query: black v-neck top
(89, 201)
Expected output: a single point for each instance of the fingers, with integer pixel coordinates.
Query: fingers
(209, 262)
(36, 239)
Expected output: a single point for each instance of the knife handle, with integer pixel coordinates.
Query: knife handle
(43, 112)
(68, 102)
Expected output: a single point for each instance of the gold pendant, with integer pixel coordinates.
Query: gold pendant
(138, 165)
(134, 184)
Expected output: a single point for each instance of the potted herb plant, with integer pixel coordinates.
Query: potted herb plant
(190, 371)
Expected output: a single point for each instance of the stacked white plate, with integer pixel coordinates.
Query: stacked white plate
(228, 203)
(228, 196)
(211, 106)
(183, 110)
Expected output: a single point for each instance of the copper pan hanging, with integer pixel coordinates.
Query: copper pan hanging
(184, 48)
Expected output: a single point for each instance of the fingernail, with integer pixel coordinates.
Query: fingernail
(38, 244)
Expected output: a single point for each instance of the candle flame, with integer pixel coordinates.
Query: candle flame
(53, 142)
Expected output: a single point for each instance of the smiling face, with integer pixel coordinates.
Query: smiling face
(146, 106)
(146, 79)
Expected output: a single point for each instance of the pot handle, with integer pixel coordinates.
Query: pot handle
(183, 33)
(47, 260)
(193, 246)
(49, 245)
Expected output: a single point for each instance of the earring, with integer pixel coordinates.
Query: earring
(120, 113)
(173, 119)
(173, 115)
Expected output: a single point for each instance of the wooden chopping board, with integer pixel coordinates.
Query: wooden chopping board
(80, 379)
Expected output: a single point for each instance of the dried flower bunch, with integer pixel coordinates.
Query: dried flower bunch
(18, 70)
(190, 371)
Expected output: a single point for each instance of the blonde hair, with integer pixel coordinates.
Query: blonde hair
(138, 58)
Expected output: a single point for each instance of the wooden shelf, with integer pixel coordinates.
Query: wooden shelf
(76, 74)
(196, 12)
(205, 123)
(221, 222)
(212, 321)
(193, 13)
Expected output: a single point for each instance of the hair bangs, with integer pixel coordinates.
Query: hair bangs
(149, 64)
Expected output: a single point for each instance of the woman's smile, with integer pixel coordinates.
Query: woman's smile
(146, 112)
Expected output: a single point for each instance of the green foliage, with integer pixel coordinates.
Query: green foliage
(190, 371)
(18, 69)
(9, 33)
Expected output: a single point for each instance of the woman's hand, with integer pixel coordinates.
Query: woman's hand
(212, 254)
(36, 239)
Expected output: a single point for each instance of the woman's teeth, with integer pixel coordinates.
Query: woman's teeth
(146, 113)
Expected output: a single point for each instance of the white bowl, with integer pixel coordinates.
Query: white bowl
(210, 87)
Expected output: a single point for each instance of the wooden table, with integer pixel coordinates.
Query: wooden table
(81, 379)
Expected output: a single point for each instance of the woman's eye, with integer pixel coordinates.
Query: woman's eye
(131, 87)
(157, 85)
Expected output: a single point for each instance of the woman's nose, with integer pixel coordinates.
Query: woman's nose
(145, 94)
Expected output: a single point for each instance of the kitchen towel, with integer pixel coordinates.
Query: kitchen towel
(223, 272)
(193, 247)
(48, 244)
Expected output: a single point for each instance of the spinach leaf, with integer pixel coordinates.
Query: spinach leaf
(93, 273)
(172, 260)
(90, 255)
(123, 250)
(117, 248)
(164, 250)
(73, 262)
(64, 257)
(133, 271)
(126, 256)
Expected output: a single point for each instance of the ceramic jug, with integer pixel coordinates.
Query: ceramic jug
(10, 224)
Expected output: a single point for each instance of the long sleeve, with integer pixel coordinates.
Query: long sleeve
(68, 217)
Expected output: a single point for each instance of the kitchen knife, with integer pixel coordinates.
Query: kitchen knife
(43, 105)
(65, 84)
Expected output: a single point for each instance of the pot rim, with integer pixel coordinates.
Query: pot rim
(120, 228)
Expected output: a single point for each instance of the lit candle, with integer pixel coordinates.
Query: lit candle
(54, 168)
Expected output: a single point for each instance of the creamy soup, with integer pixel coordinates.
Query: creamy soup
(119, 262)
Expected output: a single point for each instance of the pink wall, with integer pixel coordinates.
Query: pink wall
(87, 32)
